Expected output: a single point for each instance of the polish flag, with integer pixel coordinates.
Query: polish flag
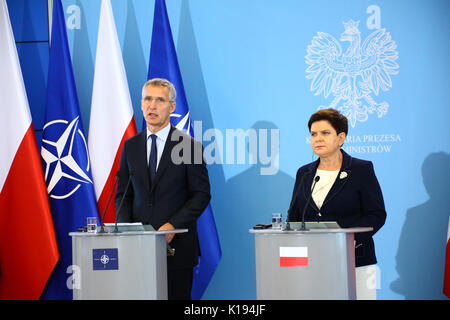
(112, 121)
(293, 256)
(447, 265)
(28, 249)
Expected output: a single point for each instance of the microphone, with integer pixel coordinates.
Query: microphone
(102, 226)
(296, 193)
(116, 230)
(303, 228)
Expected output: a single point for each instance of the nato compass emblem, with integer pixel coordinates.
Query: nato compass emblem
(60, 164)
(354, 75)
(184, 123)
(105, 259)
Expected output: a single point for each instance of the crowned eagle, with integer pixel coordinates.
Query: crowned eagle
(352, 76)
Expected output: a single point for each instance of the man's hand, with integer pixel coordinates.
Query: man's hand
(165, 227)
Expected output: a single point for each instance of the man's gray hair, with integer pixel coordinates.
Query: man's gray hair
(159, 82)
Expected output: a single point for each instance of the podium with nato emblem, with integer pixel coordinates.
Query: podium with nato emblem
(315, 264)
(120, 266)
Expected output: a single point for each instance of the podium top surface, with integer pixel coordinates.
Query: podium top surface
(310, 231)
(125, 233)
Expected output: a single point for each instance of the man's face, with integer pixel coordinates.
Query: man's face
(156, 107)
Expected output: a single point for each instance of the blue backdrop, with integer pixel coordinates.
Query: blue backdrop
(245, 66)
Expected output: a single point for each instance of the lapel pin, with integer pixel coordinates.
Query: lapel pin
(343, 175)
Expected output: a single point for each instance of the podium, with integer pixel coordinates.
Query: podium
(306, 265)
(126, 265)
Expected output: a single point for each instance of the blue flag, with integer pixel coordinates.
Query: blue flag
(164, 64)
(64, 157)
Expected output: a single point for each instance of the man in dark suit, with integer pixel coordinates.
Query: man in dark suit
(169, 184)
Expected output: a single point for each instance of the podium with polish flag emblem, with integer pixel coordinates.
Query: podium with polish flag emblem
(130, 265)
(315, 264)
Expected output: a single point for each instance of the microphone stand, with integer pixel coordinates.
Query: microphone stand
(102, 225)
(296, 195)
(303, 228)
(116, 229)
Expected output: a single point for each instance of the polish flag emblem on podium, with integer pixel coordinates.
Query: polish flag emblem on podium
(293, 256)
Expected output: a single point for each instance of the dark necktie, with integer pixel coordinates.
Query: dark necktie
(152, 160)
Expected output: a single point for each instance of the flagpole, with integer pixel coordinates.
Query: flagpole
(49, 19)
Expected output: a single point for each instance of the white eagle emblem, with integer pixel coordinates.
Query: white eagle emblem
(355, 74)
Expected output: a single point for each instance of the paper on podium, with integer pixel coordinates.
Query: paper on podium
(129, 226)
(315, 225)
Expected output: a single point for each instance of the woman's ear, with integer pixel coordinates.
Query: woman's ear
(342, 137)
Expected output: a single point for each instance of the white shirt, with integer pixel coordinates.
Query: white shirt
(323, 186)
(160, 143)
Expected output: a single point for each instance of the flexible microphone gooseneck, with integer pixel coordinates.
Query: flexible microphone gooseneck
(296, 194)
(316, 179)
(102, 225)
(116, 230)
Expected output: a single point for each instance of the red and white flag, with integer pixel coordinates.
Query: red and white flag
(112, 120)
(28, 249)
(293, 256)
(447, 265)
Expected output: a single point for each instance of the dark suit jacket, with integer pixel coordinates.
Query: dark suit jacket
(179, 194)
(353, 201)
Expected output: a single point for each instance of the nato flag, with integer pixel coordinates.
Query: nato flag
(164, 64)
(64, 157)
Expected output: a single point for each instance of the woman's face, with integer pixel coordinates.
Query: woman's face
(325, 141)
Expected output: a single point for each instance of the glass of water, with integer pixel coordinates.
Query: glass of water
(276, 221)
(91, 224)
